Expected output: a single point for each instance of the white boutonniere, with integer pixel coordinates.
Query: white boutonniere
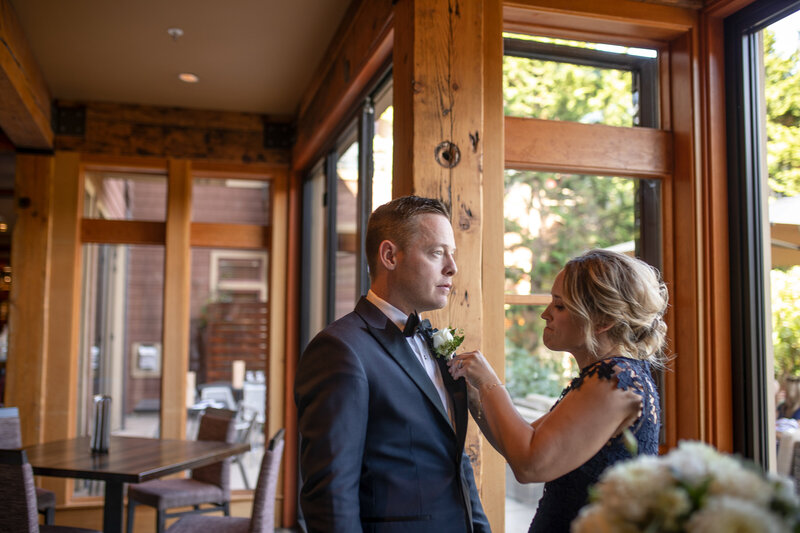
(446, 340)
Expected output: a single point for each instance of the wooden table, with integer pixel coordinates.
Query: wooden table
(129, 460)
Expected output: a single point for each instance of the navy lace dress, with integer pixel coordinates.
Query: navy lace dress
(563, 497)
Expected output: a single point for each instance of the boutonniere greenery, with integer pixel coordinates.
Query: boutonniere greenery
(446, 340)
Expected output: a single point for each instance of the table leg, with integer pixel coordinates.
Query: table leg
(113, 508)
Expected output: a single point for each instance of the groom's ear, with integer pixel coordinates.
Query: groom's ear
(387, 254)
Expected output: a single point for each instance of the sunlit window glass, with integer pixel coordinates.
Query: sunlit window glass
(125, 196)
(346, 229)
(382, 146)
(230, 201)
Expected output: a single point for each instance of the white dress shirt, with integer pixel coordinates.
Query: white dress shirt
(418, 346)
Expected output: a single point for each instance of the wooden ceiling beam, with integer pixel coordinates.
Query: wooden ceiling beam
(24, 97)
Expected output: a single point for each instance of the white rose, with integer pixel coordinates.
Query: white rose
(441, 336)
(732, 514)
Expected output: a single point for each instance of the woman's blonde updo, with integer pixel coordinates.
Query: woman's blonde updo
(604, 288)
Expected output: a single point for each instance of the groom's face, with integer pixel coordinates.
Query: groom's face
(426, 265)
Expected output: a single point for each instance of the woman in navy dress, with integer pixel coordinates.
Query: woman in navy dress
(607, 311)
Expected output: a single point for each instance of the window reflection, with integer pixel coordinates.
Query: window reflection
(120, 341)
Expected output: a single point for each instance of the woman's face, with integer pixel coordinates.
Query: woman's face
(563, 331)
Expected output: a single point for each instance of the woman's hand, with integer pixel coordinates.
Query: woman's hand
(474, 367)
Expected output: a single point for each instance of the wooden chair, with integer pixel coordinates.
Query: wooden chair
(262, 519)
(17, 493)
(11, 438)
(208, 485)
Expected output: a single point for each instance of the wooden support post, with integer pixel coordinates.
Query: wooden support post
(63, 312)
(28, 316)
(177, 291)
(445, 113)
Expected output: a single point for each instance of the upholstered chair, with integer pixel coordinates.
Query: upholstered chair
(19, 514)
(262, 518)
(208, 488)
(11, 438)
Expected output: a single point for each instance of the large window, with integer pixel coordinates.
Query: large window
(553, 212)
(340, 192)
(763, 73)
(229, 359)
(124, 344)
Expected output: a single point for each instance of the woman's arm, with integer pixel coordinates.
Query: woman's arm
(558, 442)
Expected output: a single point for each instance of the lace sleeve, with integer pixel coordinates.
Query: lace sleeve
(628, 375)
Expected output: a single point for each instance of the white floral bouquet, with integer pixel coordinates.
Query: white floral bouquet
(692, 489)
(446, 340)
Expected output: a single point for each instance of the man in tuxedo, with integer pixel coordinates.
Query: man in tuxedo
(382, 423)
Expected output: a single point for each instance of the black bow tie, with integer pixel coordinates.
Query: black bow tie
(414, 325)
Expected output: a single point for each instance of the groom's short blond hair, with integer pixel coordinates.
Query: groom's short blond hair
(396, 221)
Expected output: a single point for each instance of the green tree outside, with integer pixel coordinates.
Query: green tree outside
(782, 88)
(786, 321)
(782, 95)
(552, 217)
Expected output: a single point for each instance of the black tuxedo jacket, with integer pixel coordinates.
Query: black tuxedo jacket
(377, 450)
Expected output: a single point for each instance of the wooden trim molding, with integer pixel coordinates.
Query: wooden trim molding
(714, 226)
(292, 343)
(682, 258)
(122, 231)
(550, 145)
(216, 235)
(123, 163)
(244, 236)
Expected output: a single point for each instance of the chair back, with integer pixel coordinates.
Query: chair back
(17, 492)
(263, 518)
(219, 393)
(254, 400)
(218, 425)
(10, 432)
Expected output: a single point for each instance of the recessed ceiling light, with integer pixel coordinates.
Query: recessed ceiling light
(175, 33)
(188, 77)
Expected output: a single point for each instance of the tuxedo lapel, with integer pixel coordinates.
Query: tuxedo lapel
(396, 345)
(458, 392)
